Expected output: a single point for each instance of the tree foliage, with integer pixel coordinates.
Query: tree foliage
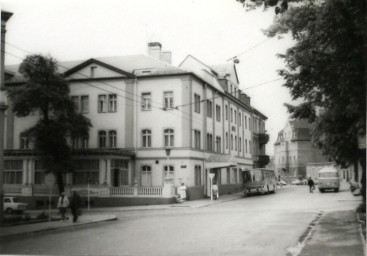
(46, 92)
(326, 68)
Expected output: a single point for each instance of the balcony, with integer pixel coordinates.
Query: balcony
(260, 161)
(263, 138)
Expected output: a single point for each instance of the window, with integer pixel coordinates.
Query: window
(227, 139)
(197, 102)
(86, 172)
(240, 145)
(146, 176)
(169, 170)
(235, 142)
(102, 103)
(119, 172)
(226, 112)
(218, 144)
(79, 142)
(13, 172)
(245, 146)
(168, 100)
(217, 113)
(84, 104)
(112, 103)
(102, 143)
(81, 103)
(24, 142)
(245, 122)
(209, 108)
(235, 117)
(112, 137)
(198, 175)
(232, 142)
(169, 138)
(75, 100)
(239, 119)
(92, 71)
(249, 123)
(146, 138)
(209, 142)
(249, 146)
(197, 139)
(231, 115)
(39, 174)
(146, 101)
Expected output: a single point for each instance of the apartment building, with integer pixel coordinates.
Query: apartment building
(155, 126)
(293, 150)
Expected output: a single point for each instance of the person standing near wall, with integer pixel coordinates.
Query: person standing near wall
(75, 204)
(62, 205)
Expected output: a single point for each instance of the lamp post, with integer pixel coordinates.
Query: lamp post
(5, 16)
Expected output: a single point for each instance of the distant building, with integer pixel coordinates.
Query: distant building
(152, 123)
(293, 150)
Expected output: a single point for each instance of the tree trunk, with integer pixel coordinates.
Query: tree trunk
(363, 178)
(60, 182)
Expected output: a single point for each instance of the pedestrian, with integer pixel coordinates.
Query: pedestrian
(75, 204)
(62, 205)
(182, 191)
(215, 191)
(311, 184)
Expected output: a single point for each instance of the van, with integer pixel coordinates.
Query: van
(328, 179)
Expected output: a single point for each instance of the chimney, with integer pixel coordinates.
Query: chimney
(155, 50)
(167, 57)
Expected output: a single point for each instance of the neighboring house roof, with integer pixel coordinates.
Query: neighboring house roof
(300, 123)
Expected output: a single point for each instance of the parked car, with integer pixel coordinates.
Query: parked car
(304, 182)
(12, 204)
(282, 183)
(296, 182)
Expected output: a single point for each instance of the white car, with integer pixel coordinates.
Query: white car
(12, 204)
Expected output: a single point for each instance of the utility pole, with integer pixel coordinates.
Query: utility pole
(5, 16)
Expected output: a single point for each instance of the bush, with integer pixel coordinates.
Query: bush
(362, 208)
(42, 216)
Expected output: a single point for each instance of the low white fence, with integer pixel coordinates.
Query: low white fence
(150, 191)
(43, 190)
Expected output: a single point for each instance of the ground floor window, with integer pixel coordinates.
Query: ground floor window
(198, 175)
(169, 170)
(86, 172)
(13, 172)
(146, 176)
(119, 172)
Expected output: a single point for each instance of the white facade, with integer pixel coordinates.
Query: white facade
(139, 107)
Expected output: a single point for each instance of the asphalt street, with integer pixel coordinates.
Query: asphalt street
(258, 225)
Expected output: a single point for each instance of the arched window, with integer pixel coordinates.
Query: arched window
(146, 176)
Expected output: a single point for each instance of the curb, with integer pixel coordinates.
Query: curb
(57, 228)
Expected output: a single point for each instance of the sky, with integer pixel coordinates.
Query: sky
(214, 31)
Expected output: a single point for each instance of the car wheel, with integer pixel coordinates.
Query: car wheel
(336, 190)
(9, 210)
(321, 190)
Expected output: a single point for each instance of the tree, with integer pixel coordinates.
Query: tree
(327, 69)
(46, 92)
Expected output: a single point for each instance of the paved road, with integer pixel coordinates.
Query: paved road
(258, 225)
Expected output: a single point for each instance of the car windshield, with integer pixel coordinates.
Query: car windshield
(328, 175)
(15, 200)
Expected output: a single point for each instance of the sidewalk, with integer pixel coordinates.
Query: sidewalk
(95, 215)
(336, 234)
